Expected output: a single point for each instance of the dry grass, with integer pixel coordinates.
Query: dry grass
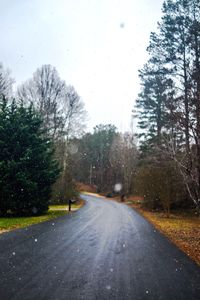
(86, 187)
(182, 230)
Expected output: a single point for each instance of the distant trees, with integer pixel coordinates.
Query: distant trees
(168, 106)
(27, 165)
(106, 157)
(93, 155)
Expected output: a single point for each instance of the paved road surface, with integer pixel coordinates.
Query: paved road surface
(103, 251)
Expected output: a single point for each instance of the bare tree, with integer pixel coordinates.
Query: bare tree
(190, 176)
(60, 106)
(73, 112)
(123, 157)
(6, 82)
(46, 91)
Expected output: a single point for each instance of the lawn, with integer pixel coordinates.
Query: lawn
(54, 211)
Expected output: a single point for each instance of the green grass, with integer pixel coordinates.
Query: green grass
(18, 222)
(54, 211)
(58, 207)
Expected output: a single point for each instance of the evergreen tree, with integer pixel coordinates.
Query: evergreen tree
(153, 103)
(27, 167)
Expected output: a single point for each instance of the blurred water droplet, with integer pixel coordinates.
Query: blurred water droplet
(73, 148)
(117, 187)
(108, 287)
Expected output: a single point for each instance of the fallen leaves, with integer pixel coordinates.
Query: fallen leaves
(184, 231)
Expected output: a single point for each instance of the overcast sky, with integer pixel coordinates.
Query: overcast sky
(96, 45)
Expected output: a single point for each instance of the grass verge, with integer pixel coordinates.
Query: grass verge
(54, 211)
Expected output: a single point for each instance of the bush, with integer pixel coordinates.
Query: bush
(161, 186)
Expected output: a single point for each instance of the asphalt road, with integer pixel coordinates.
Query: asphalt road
(103, 251)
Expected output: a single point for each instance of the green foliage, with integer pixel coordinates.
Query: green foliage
(27, 167)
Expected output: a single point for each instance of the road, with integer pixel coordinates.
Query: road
(103, 251)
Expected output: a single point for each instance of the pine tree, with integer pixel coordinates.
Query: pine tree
(152, 104)
(180, 30)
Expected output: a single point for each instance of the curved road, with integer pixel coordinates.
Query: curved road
(103, 251)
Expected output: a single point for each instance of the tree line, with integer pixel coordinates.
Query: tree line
(168, 109)
(106, 157)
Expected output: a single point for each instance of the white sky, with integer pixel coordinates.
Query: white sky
(96, 45)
